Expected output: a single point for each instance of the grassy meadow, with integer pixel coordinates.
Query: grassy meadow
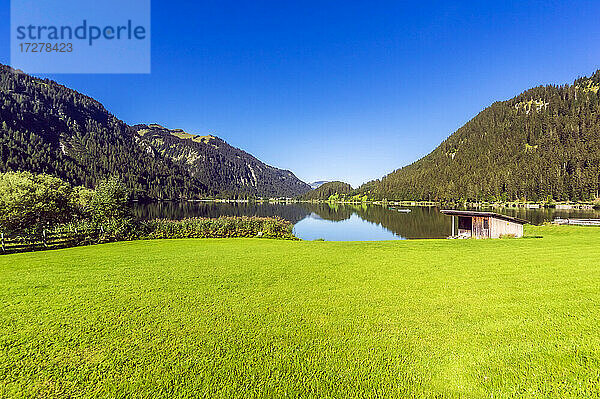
(266, 318)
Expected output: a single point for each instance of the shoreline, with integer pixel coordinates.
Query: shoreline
(566, 205)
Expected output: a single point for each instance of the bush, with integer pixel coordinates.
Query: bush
(110, 202)
(32, 202)
(80, 202)
(222, 227)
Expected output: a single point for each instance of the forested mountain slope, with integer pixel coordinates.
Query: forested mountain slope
(325, 190)
(543, 143)
(48, 128)
(220, 166)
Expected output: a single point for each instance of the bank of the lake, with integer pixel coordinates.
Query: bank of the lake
(267, 318)
(349, 222)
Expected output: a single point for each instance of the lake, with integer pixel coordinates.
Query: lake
(345, 222)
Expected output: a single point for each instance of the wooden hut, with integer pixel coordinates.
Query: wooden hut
(485, 224)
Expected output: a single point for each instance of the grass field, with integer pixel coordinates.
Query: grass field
(267, 318)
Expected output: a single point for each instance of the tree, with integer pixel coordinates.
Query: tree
(30, 201)
(80, 202)
(110, 202)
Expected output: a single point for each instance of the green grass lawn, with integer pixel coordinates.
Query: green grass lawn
(266, 318)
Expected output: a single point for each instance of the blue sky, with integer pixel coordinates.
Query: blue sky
(341, 90)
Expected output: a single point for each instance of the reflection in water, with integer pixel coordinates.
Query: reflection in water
(419, 223)
(333, 212)
(353, 228)
(348, 222)
(185, 209)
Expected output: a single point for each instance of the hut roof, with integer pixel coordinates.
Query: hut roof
(484, 214)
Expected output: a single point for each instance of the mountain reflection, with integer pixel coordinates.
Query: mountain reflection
(181, 210)
(425, 222)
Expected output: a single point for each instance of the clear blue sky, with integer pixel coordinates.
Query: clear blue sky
(342, 90)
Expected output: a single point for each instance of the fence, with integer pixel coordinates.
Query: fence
(578, 222)
(48, 240)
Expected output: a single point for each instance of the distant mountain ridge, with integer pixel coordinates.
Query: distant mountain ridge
(316, 184)
(541, 144)
(46, 127)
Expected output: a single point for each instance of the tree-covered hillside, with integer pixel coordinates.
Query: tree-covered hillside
(48, 128)
(543, 143)
(326, 190)
(221, 167)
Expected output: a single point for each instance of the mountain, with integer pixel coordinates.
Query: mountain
(48, 128)
(541, 144)
(316, 184)
(328, 189)
(221, 167)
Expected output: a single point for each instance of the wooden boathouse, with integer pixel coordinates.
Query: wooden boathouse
(473, 224)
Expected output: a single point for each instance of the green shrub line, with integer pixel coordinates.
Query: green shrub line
(222, 227)
(88, 233)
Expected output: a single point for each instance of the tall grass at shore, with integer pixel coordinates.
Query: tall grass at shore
(222, 227)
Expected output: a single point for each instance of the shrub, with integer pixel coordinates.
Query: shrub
(222, 227)
(110, 202)
(30, 201)
(80, 201)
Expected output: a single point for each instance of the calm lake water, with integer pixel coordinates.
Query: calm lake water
(342, 222)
